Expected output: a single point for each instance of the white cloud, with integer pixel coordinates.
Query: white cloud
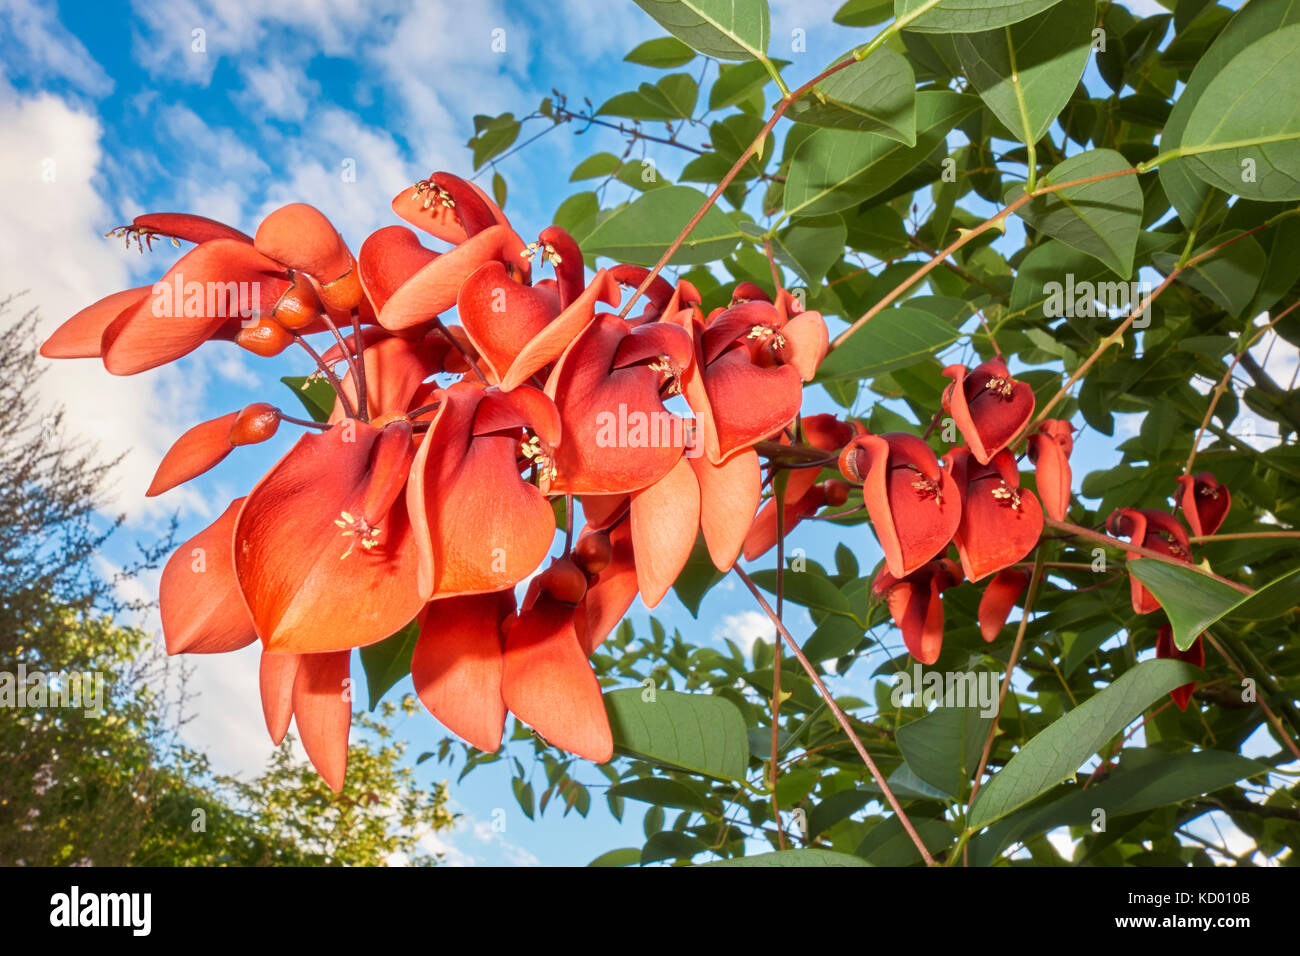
(745, 628)
(40, 48)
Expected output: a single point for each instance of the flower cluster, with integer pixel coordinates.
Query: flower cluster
(429, 494)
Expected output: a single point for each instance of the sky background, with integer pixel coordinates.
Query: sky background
(110, 110)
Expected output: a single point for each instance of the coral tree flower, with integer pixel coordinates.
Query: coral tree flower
(1195, 655)
(1049, 450)
(1000, 521)
(1000, 596)
(1204, 502)
(1149, 528)
(988, 405)
(914, 504)
(916, 605)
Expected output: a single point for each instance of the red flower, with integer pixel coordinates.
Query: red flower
(916, 607)
(478, 525)
(1149, 528)
(1195, 655)
(1049, 450)
(199, 600)
(1000, 521)
(313, 690)
(1000, 596)
(1204, 502)
(913, 503)
(988, 405)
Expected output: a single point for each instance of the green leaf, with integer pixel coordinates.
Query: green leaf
(794, 858)
(966, 16)
(596, 166)
(834, 169)
(1229, 277)
(888, 844)
(1255, 20)
(943, 748)
(1057, 752)
(499, 189)
(523, 794)
(664, 53)
(496, 137)
(808, 588)
(388, 661)
(662, 792)
(639, 233)
(811, 247)
(671, 845)
(1245, 136)
(735, 82)
(864, 13)
(626, 856)
(1195, 602)
(724, 29)
(316, 395)
(894, 338)
(875, 95)
(1102, 218)
(697, 577)
(1144, 781)
(577, 214)
(696, 732)
(1042, 279)
(671, 98)
(1027, 72)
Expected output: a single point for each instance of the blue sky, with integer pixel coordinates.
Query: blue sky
(231, 109)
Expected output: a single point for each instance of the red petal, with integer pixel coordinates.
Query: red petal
(82, 335)
(322, 711)
(549, 685)
(199, 602)
(612, 593)
(729, 496)
(191, 228)
(987, 417)
(1052, 474)
(238, 280)
(301, 237)
(458, 662)
(665, 518)
(501, 316)
(389, 257)
(740, 416)
(552, 341)
(433, 289)
(303, 595)
(276, 677)
(1000, 522)
(1000, 596)
(480, 527)
(807, 342)
(1195, 655)
(201, 448)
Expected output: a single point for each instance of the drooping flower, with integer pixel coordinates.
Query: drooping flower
(312, 690)
(1149, 528)
(207, 444)
(988, 406)
(1204, 502)
(916, 605)
(1000, 596)
(1195, 655)
(1000, 521)
(913, 502)
(1049, 450)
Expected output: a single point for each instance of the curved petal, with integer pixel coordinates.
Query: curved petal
(211, 284)
(433, 289)
(322, 712)
(611, 594)
(301, 237)
(82, 336)
(191, 228)
(201, 448)
(501, 316)
(999, 597)
(548, 684)
(458, 663)
(729, 495)
(806, 343)
(749, 403)
(317, 573)
(389, 257)
(552, 341)
(199, 602)
(480, 526)
(276, 674)
(988, 406)
(1052, 474)
(1000, 522)
(665, 518)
